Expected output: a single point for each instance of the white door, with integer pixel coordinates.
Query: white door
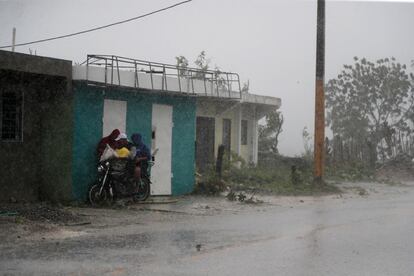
(114, 116)
(161, 173)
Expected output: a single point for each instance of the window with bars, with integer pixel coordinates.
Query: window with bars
(11, 112)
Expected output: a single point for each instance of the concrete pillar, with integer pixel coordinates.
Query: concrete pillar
(238, 128)
(255, 135)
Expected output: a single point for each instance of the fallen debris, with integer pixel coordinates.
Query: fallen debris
(358, 190)
(78, 223)
(153, 201)
(242, 197)
(253, 200)
(43, 212)
(231, 196)
(8, 214)
(162, 210)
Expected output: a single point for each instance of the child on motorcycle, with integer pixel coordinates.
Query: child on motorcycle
(142, 155)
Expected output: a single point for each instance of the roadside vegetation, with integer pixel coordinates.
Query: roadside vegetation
(278, 175)
(274, 174)
(290, 177)
(370, 111)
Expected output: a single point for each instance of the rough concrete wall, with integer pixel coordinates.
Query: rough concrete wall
(56, 143)
(35, 64)
(19, 160)
(39, 166)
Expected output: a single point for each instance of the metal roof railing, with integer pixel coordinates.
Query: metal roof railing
(165, 77)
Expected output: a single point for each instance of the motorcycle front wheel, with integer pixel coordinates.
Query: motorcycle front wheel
(143, 190)
(95, 197)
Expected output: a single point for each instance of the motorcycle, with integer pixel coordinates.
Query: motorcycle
(116, 180)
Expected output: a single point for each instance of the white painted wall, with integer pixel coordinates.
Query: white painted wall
(172, 84)
(162, 172)
(235, 113)
(114, 116)
(249, 151)
(148, 81)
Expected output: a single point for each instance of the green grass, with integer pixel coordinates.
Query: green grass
(276, 181)
(350, 172)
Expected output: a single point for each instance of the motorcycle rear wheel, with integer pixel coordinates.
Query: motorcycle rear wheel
(95, 198)
(143, 190)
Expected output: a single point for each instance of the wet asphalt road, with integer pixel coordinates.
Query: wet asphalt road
(349, 235)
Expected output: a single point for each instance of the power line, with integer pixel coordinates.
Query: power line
(98, 28)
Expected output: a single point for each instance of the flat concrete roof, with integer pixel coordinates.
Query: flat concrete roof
(157, 83)
(35, 64)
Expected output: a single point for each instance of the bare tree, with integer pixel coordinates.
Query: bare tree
(269, 133)
(182, 64)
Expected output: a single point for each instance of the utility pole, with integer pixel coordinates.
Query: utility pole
(320, 95)
(13, 38)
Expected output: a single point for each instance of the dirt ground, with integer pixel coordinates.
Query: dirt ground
(153, 238)
(21, 222)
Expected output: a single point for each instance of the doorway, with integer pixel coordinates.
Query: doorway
(227, 136)
(161, 173)
(204, 142)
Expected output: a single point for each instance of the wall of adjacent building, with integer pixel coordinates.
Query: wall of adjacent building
(249, 151)
(235, 112)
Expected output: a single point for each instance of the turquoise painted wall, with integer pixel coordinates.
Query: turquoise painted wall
(88, 131)
(88, 109)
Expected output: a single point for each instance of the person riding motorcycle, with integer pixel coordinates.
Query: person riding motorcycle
(123, 169)
(108, 140)
(142, 155)
(122, 142)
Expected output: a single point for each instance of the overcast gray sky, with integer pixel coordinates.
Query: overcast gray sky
(269, 42)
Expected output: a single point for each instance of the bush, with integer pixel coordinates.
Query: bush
(352, 171)
(276, 174)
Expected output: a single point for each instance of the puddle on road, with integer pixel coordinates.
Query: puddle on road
(65, 233)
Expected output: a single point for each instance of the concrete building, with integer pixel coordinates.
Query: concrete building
(35, 127)
(185, 113)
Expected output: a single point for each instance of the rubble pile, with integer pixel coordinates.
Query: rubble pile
(42, 212)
